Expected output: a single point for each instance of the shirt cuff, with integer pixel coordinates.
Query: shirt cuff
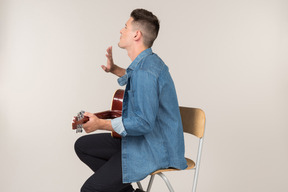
(118, 126)
(123, 80)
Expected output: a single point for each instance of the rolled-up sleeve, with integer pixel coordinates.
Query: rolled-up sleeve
(118, 126)
(123, 80)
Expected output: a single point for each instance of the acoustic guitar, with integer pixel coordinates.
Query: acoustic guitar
(116, 111)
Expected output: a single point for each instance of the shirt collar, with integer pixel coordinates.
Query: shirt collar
(124, 79)
(143, 54)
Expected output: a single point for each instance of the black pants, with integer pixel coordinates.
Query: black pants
(102, 153)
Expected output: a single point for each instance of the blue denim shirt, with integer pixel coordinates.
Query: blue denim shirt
(150, 126)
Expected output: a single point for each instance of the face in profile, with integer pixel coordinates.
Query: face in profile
(127, 34)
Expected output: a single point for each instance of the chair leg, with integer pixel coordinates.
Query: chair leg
(197, 166)
(166, 181)
(195, 180)
(139, 185)
(150, 183)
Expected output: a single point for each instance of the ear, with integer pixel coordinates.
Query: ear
(138, 35)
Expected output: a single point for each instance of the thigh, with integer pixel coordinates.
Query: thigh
(101, 145)
(96, 149)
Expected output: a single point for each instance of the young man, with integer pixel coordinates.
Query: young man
(150, 126)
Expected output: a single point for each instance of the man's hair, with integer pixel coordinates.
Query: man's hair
(147, 23)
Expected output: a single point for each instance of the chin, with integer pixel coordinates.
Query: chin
(119, 45)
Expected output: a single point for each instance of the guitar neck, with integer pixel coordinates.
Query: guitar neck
(110, 114)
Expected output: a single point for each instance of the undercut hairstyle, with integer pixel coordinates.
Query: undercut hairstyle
(147, 23)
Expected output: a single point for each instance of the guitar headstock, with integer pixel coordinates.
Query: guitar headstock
(78, 121)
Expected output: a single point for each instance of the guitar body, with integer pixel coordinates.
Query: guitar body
(116, 111)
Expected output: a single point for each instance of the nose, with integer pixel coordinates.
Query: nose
(121, 30)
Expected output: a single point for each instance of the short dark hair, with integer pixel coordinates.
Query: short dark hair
(148, 24)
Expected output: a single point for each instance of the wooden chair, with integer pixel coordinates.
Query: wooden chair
(193, 121)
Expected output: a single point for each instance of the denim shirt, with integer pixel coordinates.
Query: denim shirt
(150, 126)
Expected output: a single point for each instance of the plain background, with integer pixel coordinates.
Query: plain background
(227, 57)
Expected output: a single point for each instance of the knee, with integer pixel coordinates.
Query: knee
(84, 189)
(89, 186)
(78, 144)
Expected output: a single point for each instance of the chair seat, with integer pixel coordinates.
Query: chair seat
(190, 164)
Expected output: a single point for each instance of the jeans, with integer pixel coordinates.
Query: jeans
(102, 154)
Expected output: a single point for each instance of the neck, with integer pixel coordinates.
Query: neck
(135, 51)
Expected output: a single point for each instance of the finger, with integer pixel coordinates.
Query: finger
(87, 126)
(109, 50)
(104, 68)
(88, 114)
(74, 119)
(109, 56)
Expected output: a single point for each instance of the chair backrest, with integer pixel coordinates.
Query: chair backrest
(193, 121)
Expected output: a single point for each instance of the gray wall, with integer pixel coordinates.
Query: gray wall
(227, 57)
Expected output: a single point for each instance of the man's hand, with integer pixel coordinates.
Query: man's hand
(92, 124)
(110, 63)
(111, 67)
(95, 123)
